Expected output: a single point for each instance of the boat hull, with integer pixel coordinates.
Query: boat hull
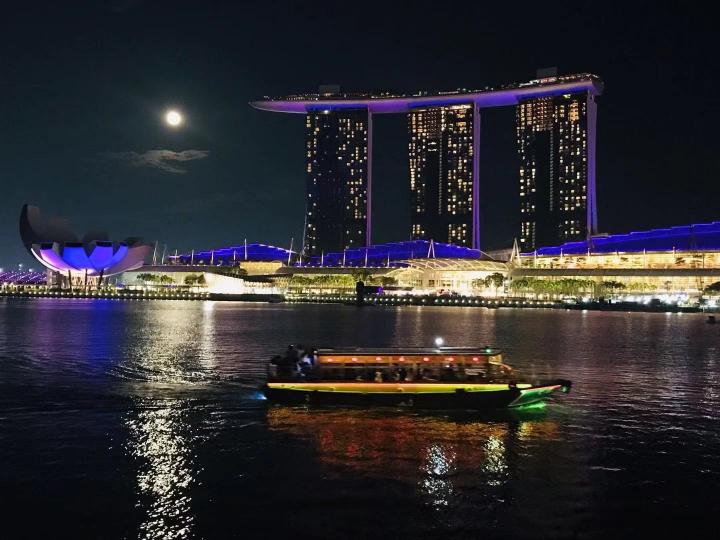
(423, 396)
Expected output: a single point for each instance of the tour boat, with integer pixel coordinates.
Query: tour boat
(431, 378)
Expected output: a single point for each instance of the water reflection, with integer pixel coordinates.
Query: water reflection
(429, 451)
(165, 470)
(439, 464)
(170, 361)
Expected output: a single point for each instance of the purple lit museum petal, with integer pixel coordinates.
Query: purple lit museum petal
(52, 242)
(75, 256)
(101, 256)
(135, 258)
(49, 257)
(120, 253)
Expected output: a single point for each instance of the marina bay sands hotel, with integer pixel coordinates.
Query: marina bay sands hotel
(556, 126)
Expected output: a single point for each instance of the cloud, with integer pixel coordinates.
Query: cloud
(165, 160)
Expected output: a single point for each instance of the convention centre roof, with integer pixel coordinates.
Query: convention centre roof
(379, 255)
(698, 237)
(235, 254)
(393, 254)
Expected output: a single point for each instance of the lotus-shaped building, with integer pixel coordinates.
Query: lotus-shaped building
(52, 241)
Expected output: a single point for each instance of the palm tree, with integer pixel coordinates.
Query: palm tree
(494, 280)
(713, 288)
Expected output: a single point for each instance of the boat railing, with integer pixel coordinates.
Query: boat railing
(390, 371)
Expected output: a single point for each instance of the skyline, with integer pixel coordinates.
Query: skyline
(85, 136)
(556, 127)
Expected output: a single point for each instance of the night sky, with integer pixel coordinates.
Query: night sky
(84, 88)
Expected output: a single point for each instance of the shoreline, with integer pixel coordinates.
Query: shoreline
(371, 301)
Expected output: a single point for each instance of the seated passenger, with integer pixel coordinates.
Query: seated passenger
(292, 354)
(304, 365)
(449, 373)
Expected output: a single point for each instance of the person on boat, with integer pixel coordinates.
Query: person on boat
(378, 376)
(292, 354)
(449, 373)
(402, 374)
(287, 364)
(304, 365)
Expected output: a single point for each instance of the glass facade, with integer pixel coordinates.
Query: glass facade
(336, 215)
(553, 143)
(440, 151)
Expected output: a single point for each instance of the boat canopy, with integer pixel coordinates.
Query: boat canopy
(379, 357)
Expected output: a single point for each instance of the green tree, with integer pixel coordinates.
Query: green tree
(146, 278)
(713, 288)
(194, 279)
(361, 275)
(520, 285)
(495, 280)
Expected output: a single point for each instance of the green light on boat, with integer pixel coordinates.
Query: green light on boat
(531, 406)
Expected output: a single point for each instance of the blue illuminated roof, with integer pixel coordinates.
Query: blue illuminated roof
(704, 236)
(393, 253)
(234, 254)
(23, 277)
(372, 256)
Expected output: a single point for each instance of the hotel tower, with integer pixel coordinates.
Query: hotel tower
(555, 138)
(556, 147)
(337, 181)
(442, 169)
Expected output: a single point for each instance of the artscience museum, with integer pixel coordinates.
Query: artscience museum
(76, 261)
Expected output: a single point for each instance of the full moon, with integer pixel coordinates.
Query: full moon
(173, 118)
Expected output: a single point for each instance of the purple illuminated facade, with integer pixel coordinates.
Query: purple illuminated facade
(447, 223)
(22, 278)
(698, 237)
(53, 243)
(379, 104)
(393, 254)
(233, 255)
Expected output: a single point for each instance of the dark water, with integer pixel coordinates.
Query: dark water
(141, 420)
